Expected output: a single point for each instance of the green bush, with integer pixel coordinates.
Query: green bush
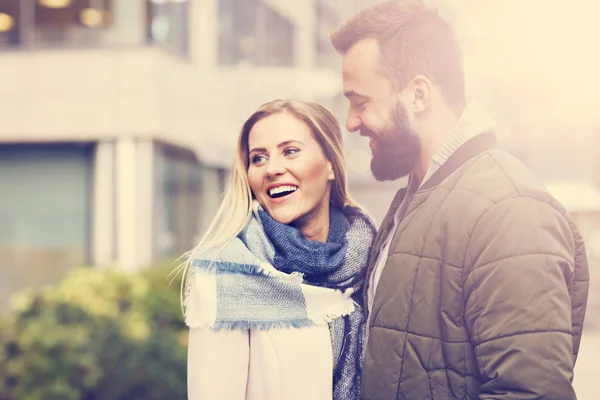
(99, 334)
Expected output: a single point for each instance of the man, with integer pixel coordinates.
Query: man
(478, 280)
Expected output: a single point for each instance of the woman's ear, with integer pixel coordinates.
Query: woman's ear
(330, 173)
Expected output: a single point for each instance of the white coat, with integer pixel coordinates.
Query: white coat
(274, 364)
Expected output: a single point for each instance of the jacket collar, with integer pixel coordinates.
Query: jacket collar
(472, 147)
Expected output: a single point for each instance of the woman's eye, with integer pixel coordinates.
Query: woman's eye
(290, 150)
(257, 158)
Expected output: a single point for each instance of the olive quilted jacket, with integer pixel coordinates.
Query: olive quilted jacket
(484, 290)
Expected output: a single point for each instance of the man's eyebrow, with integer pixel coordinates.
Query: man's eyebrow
(282, 144)
(353, 93)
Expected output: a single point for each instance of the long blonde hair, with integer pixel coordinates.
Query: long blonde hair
(236, 208)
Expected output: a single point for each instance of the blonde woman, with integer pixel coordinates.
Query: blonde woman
(273, 297)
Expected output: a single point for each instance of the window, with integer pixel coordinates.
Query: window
(168, 24)
(179, 184)
(276, 46)
(237, 39)
(252, 31)
(77, 23)
(327, 18)
(10, 34)
(44, 23)
(45, 214)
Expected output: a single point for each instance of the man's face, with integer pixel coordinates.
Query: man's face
(378, 111)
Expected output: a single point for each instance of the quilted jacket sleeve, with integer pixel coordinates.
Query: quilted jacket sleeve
(518, 275)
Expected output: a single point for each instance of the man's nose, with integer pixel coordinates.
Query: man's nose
(353, 122)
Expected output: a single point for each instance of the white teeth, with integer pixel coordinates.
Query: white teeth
(280, 189)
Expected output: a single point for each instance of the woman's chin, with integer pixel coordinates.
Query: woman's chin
(284, 217)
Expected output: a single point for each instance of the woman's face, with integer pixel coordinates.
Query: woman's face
(288, 172)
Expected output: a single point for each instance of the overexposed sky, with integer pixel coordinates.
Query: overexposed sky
(542, 52)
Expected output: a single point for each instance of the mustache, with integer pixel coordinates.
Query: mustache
(367, 133)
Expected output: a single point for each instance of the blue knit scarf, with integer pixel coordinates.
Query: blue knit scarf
(269, 260)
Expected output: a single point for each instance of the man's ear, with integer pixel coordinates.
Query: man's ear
(421, 89)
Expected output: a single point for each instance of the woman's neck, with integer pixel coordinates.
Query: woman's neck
(315, 228)
(317, 233)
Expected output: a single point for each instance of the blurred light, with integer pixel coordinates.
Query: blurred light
(55, 3)
(93, 18)
(542, 62)
(247, 45)
(160, 28)
(6, 22)
(593, 243)
(576, 196)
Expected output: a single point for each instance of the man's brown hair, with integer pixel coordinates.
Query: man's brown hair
(413, 40)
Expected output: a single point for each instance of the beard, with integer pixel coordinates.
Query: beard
(397, 150)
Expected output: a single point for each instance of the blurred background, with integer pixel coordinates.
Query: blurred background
(118, 122)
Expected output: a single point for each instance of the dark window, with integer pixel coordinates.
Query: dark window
(277, 43)
(252, 31)
(178, 201)
(46, 192)
(10, 17)
(327, 18)
(44, 23)
(237, 30)
(168, 25)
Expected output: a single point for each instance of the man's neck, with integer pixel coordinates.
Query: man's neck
(432, 138)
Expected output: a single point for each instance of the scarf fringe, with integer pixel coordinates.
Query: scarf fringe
(262, 325)
(266, 325)
(264, 269)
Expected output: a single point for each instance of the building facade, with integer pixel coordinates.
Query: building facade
(119, 120)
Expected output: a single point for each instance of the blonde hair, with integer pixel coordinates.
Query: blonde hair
(236, 208)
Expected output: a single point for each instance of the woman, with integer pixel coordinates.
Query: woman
(273, 296)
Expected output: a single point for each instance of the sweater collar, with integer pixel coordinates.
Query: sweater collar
(473, 121)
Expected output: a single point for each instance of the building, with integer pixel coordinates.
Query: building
(119, 118)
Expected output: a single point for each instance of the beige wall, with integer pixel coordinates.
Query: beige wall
(74, 94)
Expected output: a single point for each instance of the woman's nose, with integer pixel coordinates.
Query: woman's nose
(275, 167)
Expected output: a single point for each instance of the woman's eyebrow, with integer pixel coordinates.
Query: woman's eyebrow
(282, 144)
